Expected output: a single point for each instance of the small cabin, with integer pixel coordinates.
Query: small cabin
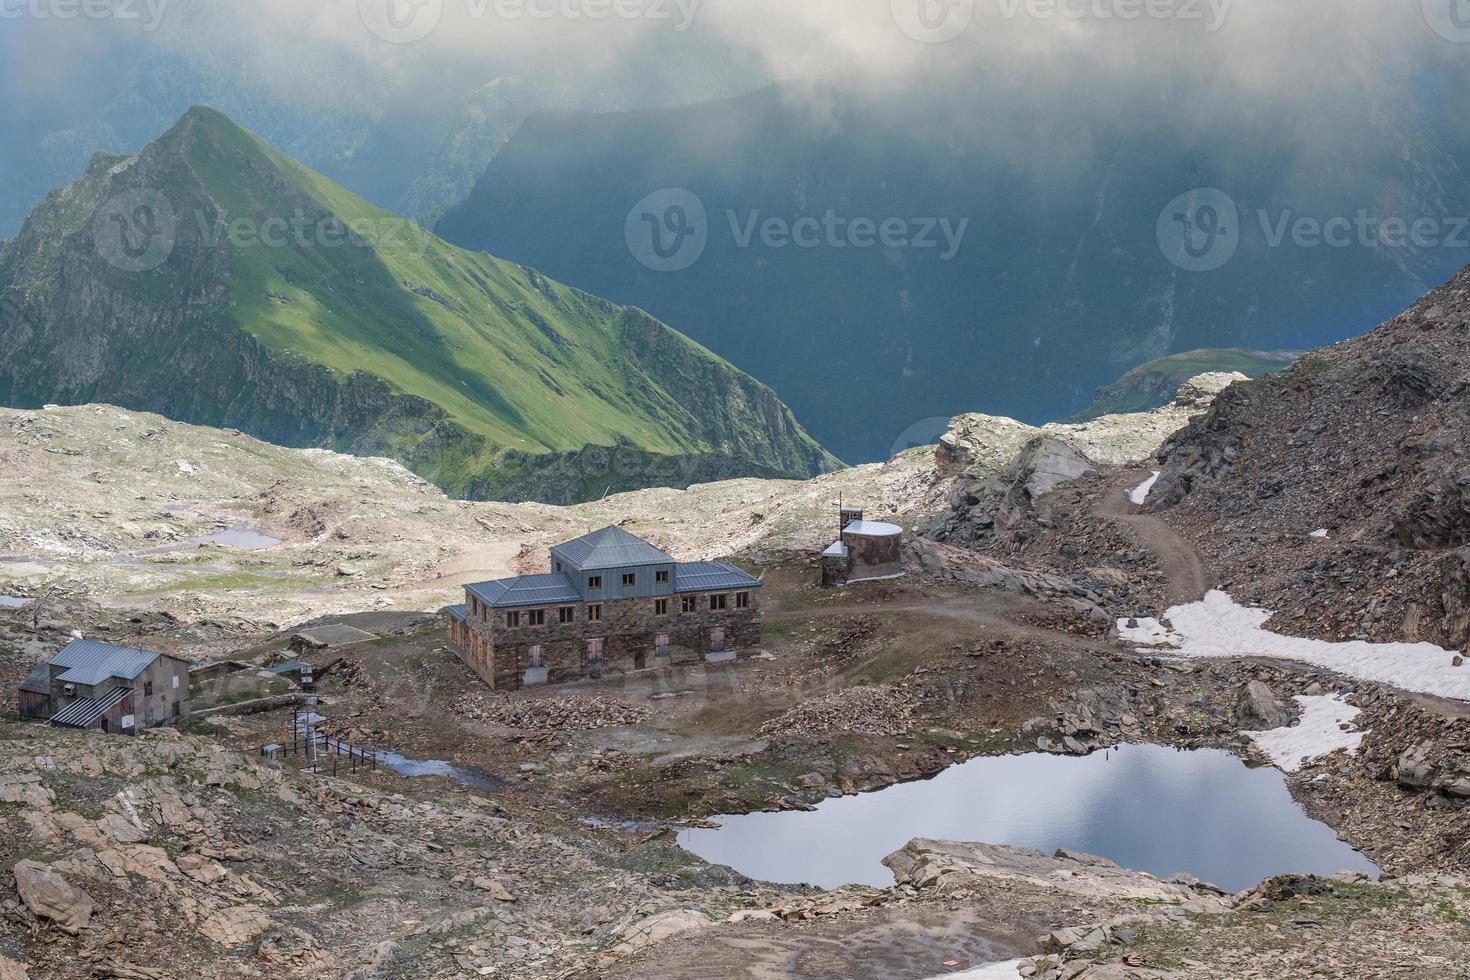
(112, 689)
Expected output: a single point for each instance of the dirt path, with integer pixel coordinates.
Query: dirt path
(1184, 568)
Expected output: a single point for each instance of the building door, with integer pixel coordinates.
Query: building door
(716, 641)
(105, 727)
(640, 659)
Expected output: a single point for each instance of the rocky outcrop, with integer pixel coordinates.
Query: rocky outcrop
(948, 865)
(1259, 710)
(1002, 467)
(50, 896)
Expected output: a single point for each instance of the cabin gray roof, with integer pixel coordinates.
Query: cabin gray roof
(83, 711)
(707, 576)
(612, 547)
(90, 662)
(456, 612)
(38, 681)
(528, 590)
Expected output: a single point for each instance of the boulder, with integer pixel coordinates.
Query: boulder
(1415, 768)
(50, 896)
(1259, 710)
(236, 926)
(12, 970)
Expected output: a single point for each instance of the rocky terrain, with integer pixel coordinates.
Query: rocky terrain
(1334, 492)
(533, 834)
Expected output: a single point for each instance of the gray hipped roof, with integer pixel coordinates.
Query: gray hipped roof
(709, 576)
(612, 547)
(38, 681)
(528, 590)
(90, 662)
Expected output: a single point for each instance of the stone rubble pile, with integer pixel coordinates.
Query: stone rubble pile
(575, 712)
(880, 710)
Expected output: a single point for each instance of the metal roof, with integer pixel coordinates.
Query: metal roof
(612, 547)
(708, 576)
(90, 662)
(835, 550)
(38, 681)
(456, 612)
(872, 529)
(83, 711)
(528, 590)
(295, 667)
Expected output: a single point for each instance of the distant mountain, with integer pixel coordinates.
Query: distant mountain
(1156, 383)
(214, 280)
(1059, 282)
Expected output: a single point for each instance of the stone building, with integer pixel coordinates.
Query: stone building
(865, 551)
(107, 688)
(612, 601)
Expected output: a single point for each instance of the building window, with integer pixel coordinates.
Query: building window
(660, 607)
(689, 604)
(629, 580)
(594, 581)
(566, 614)
(512, 619)
(594, 614)
(742, 600)
(558, 566)
(176, 709)
(661, 578)
(147, 689)
(718, 602)
(536, 617)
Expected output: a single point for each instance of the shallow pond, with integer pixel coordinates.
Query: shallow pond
(13, 602)
(405, 766)
(1147, 807)
(241, 536)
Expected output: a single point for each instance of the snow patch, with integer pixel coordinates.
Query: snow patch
(1318, 733)
(1321, 532)
(1219, 627)
(1009, 970)
(185, 468)
(1140, 493)
(1149, 632)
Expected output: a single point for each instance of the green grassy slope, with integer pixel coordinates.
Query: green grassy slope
(470, 364)
(1154, 383)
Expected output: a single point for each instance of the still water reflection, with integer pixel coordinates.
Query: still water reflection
(1143, 806)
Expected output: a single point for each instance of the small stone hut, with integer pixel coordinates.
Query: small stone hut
(865, 551)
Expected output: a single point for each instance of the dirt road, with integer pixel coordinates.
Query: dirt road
(1184, 568)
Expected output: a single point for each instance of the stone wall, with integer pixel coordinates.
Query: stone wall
(873, 556)
(629, 631)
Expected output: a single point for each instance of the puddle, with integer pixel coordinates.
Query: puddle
(241, 536)
(13, 602)
(405, 766)
(1147, 807)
